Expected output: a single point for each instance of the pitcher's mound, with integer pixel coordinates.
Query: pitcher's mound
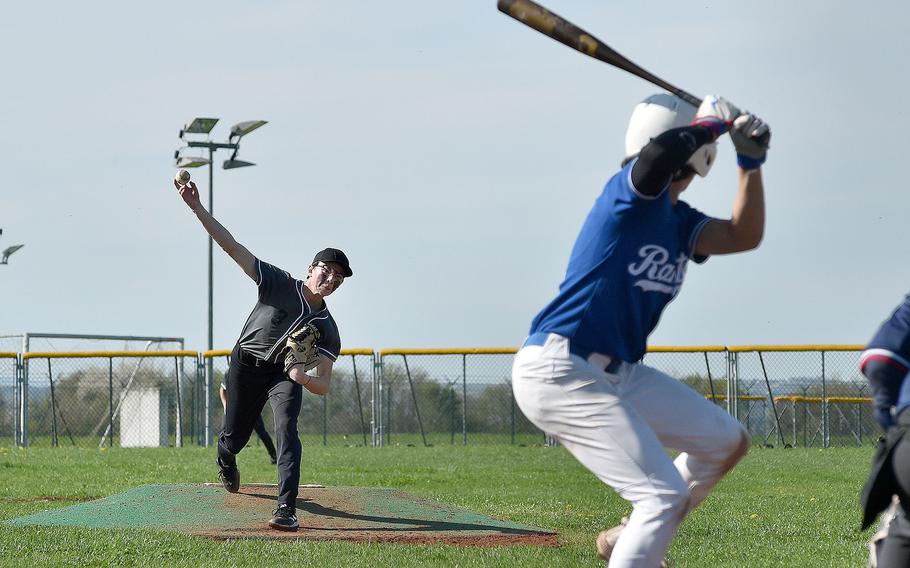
(370, 514)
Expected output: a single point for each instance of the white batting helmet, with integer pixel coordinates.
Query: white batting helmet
(659, 113)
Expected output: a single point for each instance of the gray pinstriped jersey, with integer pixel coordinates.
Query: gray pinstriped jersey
(281, 310)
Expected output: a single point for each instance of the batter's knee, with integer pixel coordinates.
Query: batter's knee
(732, 442)
(736, 448)
(742, 447)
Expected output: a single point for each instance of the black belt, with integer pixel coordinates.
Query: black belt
(249, 359)
(608, 363)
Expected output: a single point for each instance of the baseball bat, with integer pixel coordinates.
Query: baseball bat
(546, 22)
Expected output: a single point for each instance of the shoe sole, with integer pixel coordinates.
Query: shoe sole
(283, 527)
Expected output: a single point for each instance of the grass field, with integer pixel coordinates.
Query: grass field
(793, 507)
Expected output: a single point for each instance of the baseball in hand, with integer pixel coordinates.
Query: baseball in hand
(182, 177)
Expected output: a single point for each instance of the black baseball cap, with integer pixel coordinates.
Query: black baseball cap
(334, 255)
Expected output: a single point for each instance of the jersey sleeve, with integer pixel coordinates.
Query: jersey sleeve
(628, 190)
(269, 279)
(886, 362)
(692, 224)
(330, 345)
(894, 334)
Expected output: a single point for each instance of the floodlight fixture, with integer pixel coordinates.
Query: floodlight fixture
(199, 126)
(244, 128)
(192, 162)
(233, 164)
(8, 252)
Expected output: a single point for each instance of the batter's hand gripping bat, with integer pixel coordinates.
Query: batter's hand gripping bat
(563, 31)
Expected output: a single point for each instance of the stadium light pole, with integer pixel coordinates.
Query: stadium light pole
(238, 131)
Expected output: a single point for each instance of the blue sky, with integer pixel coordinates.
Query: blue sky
(450, 151)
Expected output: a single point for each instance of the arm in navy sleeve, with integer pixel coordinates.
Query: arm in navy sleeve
(886, 375)
(665, 155)
(885, 362)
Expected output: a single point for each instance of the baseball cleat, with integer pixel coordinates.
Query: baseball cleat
(606, 540)
(284, 518)
(230, 478)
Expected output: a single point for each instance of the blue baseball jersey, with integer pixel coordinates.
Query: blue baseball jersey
(628, 263)
(891, 345)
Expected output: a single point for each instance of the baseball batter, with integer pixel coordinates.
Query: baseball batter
(290, 341)
(578, 376)
(886, 363)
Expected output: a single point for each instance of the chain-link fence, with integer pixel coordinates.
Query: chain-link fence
(122, 398)
(803, 395)
(9, 374)
(451, 396)
(812, 396)
(705, 369)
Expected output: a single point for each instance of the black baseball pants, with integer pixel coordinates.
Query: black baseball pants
(896, 549)
(250, 383)
(265, 437)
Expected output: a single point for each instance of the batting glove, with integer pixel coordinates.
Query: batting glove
(716, 114)
(751, 138)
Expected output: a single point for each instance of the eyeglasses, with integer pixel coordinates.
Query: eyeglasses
(336, 274)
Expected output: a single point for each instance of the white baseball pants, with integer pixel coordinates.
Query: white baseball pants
(618, 426)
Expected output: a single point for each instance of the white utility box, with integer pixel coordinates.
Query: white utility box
(143, 418)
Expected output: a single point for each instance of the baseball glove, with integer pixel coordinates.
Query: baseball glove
(301, 348)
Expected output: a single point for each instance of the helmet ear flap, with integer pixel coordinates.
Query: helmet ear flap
(703, 158)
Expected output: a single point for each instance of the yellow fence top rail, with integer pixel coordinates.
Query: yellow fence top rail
(437, 351)
(363, 351)
(97, 354)
(830, 399)
(513, 350)
(688, 349)
(850, 399)
(740, 397)
(216, 353)
(766, 348)
(453, 351)
(227, 352)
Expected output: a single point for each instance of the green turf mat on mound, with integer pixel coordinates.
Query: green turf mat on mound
(372, 514)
